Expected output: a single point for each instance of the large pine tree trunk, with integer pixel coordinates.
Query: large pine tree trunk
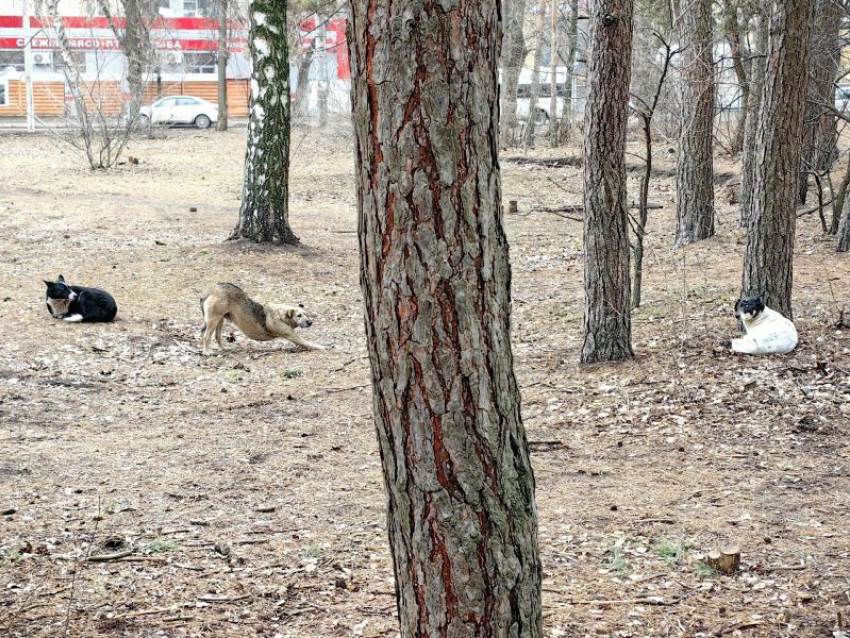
(513, 55)
(695, 166)
(819, 129)
(757, 67)
(769, 257)
(264, 215)
(607, 285)
(436, 280)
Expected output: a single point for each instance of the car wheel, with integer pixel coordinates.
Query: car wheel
(202, 121)
(143, 122)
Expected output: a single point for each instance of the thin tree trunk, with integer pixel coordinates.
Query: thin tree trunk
(757, 68)
(843, 239)
(511, 61)
(301, 91)
(733, 34)
(769, 256)
(572, 47)
(534, 113)
(134, 37)
(264, 215)
(554, 120)
(436, 280)
(221, 125)
(819, 130)
(695, 165)
(607, 285)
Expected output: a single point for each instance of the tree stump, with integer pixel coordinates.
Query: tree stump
(727, 560)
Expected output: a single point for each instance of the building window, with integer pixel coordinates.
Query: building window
(4, 93)
(77, 57)
(13, 59)
(200, 62)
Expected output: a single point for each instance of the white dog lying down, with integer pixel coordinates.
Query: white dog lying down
(768, 332)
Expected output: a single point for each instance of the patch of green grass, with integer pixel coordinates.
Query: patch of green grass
(704, 570)
(110, 507)
(160, 546)
(671, 551)
(291, 374)
(10, 556)
(232, 376)
(315, 552)
(617, 560)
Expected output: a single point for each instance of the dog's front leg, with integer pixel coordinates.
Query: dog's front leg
(298, 341)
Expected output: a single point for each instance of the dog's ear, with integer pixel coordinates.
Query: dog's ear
(290, 313)
(49, 283)
(61, 278)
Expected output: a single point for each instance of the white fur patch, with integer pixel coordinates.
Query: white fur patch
(74, 319)
(768, 333)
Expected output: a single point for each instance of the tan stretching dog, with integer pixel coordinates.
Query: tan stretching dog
(256, 321)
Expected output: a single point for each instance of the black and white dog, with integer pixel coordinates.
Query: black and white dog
(76, 303)
(768, 332)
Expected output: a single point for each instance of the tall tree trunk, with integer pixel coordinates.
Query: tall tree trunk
(221, 125)
(554, 120)
(436, 280)
(264, 215)
(695, 165)
(513, 56)
(732, 29)
(134, 37)
(607, 285)
(769, 256)
(572, 47)
(534, 113)
(819, 131)
(757, 68)
(302, 100)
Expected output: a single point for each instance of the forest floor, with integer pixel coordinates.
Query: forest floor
(246, 489)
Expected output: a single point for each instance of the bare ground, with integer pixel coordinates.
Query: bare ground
(246, 489)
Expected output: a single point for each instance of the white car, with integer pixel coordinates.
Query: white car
(181, 109)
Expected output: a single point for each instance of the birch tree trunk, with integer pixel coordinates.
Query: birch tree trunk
(607, 285)
(264, 215)
(769, 256)
(757, 67)
(436, 280)
(695, 164)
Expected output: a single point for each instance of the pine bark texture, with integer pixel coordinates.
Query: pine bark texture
(695, 164)
(607, 285)
(436, 280)
(757, 67)
(264, 215)
(819, 131)
(769, 256)
(513, 56)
